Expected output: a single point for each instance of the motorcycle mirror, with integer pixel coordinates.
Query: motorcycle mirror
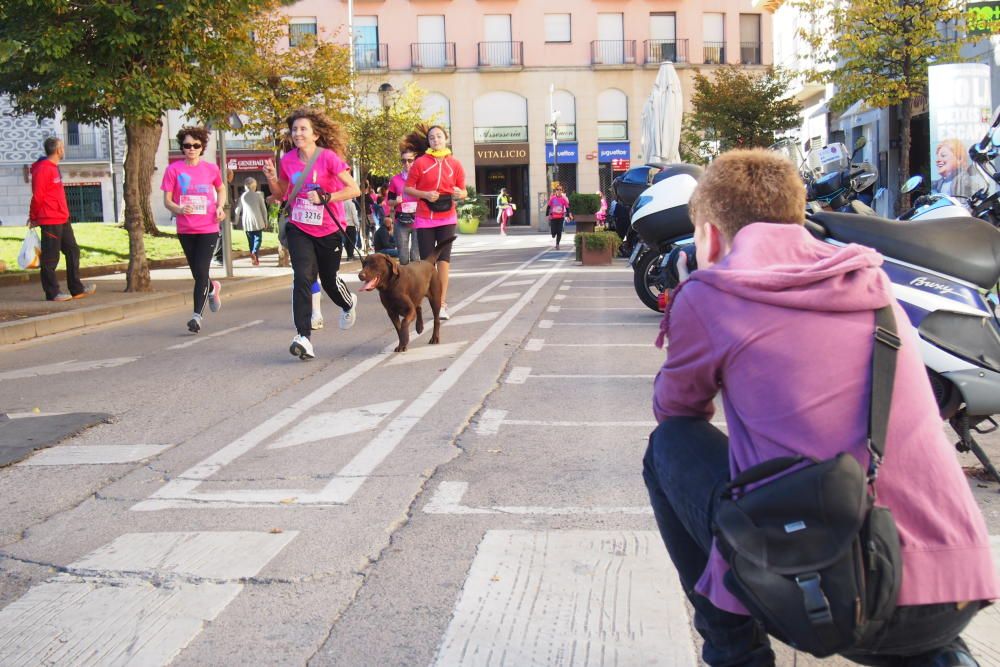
(860, 143)
(911, 184)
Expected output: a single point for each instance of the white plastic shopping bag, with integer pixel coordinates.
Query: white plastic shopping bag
(31, 251)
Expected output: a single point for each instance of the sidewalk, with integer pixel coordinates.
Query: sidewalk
(25, 314)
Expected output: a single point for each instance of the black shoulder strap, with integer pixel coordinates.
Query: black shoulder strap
(887, 344)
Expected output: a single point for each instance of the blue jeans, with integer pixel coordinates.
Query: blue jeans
(685, 466)
(254, 239)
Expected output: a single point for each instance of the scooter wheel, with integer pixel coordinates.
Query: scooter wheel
(647, 280)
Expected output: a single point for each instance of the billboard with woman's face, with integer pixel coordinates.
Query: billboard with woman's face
(960, 103)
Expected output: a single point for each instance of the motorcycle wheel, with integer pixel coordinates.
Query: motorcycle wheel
(646, 279)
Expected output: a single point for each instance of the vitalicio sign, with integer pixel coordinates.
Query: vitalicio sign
(489, 154)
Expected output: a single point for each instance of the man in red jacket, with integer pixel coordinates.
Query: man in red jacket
(50, 211)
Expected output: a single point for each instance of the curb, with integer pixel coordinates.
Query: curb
(45, 325)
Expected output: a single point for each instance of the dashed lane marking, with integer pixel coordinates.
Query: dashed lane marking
(224, 332)
(72, 455)
(138, 600)
(334, 424)
(567, 598)
(427, 353)
(71, 366)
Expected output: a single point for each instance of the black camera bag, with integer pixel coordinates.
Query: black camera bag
(810, 554)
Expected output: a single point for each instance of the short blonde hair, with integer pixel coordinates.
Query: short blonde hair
(745, 186)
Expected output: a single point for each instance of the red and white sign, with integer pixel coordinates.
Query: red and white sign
(619, 165)
(248, 162)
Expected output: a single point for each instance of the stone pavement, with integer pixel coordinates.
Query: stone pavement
(25, 314)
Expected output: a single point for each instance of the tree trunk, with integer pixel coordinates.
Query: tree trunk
(906, 113)
(148, 221)
(142, 140)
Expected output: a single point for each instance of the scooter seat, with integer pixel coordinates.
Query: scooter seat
(966, 247)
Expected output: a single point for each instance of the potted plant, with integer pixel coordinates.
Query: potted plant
(470, 212)
(596, 248)
(584, 208)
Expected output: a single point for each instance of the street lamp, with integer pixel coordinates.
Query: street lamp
(554, 126)
(385, 95)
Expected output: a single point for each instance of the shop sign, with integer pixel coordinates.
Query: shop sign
(618, 164)
(501, 154)
(982, 18)
(500, 135)
(613, 150)
(248, 162)
(568, 153)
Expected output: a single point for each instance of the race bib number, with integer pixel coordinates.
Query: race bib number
(197, 202)
(307, 213)
(408, 207)
(557, 210)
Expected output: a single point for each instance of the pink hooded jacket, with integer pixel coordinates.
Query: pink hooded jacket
(782, 328)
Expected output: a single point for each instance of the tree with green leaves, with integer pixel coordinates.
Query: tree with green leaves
(127, 59)
(274, 79)
(737, 108)
(878, 51)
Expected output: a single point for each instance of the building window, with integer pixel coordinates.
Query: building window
(750, 39)
(300, 30)
(558, 28)
(612, 115)
(714, 29)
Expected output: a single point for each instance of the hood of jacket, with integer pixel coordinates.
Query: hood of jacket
(784, 265)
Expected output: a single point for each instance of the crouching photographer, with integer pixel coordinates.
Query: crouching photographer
(834, 516)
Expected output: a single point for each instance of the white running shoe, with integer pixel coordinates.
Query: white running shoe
(443, 313)
(317, 322)
(302, 348)
(348, 317)
(215, 296)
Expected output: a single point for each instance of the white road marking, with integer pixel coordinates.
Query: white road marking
(489, 422)
(518, 374)
(72, 455)
(561, 376)
(545, 324)
(71, 366)
(598, 324)
(138, 601)
(559, 297)
(553, 309)
(427, 352)
(590, 345)
(181, 491)
(327, 425)
(618, 286)
(642, 308)
(534, 345)
(470, 319)
(567, 598)
(516, 283)
(195, 341)
(563, 288)
(510, 296)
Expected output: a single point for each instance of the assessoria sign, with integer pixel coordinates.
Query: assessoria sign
(500, 154)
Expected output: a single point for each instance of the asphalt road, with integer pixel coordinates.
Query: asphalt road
(478, 502)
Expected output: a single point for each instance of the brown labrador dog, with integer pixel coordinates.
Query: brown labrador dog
(401, 288)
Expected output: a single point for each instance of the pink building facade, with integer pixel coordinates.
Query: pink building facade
(495, 70)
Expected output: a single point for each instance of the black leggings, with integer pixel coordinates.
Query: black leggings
(198, 249)
(312, 256)
(556, 227)
(429, 237)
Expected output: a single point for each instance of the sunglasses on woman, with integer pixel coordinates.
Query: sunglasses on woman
(188, 147)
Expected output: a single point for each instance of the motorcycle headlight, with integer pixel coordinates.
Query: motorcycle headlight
(640, 202)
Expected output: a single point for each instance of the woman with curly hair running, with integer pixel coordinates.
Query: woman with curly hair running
(320, 180)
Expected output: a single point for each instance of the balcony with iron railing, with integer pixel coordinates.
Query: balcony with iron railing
(371, 57)
(665, 51)
(501, 55)
(750, 53)
(613, 53)
(432, 56)
(714, 53)
(85, 145)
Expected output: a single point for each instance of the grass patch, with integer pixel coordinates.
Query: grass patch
(105, 243)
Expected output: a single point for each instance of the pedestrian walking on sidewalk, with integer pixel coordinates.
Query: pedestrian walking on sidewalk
(251, 211)
(50, 211)
(315, 181)
(437, 179)
(505, 210)
(193, 191)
